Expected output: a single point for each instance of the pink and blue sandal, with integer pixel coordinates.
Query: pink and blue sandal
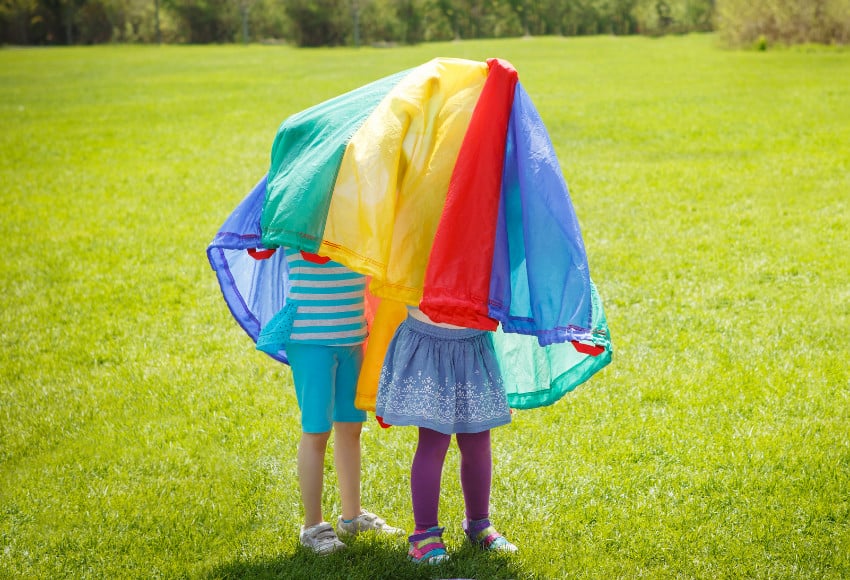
(427, 547)
(484, 535)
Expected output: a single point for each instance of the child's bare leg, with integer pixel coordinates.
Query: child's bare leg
(311, 469)
(347, 460)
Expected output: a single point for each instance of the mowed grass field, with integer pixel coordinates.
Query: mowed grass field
(142, 436)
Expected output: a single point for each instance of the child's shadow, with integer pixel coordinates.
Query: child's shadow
(374, 559)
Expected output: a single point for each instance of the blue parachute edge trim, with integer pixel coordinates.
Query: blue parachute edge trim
(238, 274)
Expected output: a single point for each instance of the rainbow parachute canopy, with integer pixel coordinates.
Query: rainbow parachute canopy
(441, 184)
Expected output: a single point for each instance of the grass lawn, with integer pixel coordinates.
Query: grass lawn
(141, 435)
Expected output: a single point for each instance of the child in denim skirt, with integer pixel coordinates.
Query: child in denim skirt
(445, 380)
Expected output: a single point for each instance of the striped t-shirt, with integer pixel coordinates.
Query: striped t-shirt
(330, 300)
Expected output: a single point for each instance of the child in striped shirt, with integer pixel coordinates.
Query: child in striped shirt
(323, 328)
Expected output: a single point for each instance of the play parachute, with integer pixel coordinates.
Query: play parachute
(441, 184)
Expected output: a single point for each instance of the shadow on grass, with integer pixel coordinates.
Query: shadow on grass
(375, 560)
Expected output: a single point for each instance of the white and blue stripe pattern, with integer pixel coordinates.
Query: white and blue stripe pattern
(330, 300)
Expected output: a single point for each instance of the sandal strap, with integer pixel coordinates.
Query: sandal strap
(473, 527)
(427, 552)
(429, 533)
(487, 536)
(483, 533)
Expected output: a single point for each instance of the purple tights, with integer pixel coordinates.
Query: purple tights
(476, 471)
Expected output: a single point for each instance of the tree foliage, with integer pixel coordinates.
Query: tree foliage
(319, 22)
(749, 22)
(354, 22)
(336, 22)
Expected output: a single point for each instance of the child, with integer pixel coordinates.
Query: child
(323, 329)
(445, 379)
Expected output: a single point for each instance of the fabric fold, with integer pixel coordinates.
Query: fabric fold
(540, 283)
(254, 289)
(457, 280)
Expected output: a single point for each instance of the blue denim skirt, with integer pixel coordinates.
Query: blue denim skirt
(444, 379)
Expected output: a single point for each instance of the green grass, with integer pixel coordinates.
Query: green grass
(141, 435)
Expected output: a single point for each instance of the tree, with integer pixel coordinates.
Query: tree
(15, 17)
(319, 22)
